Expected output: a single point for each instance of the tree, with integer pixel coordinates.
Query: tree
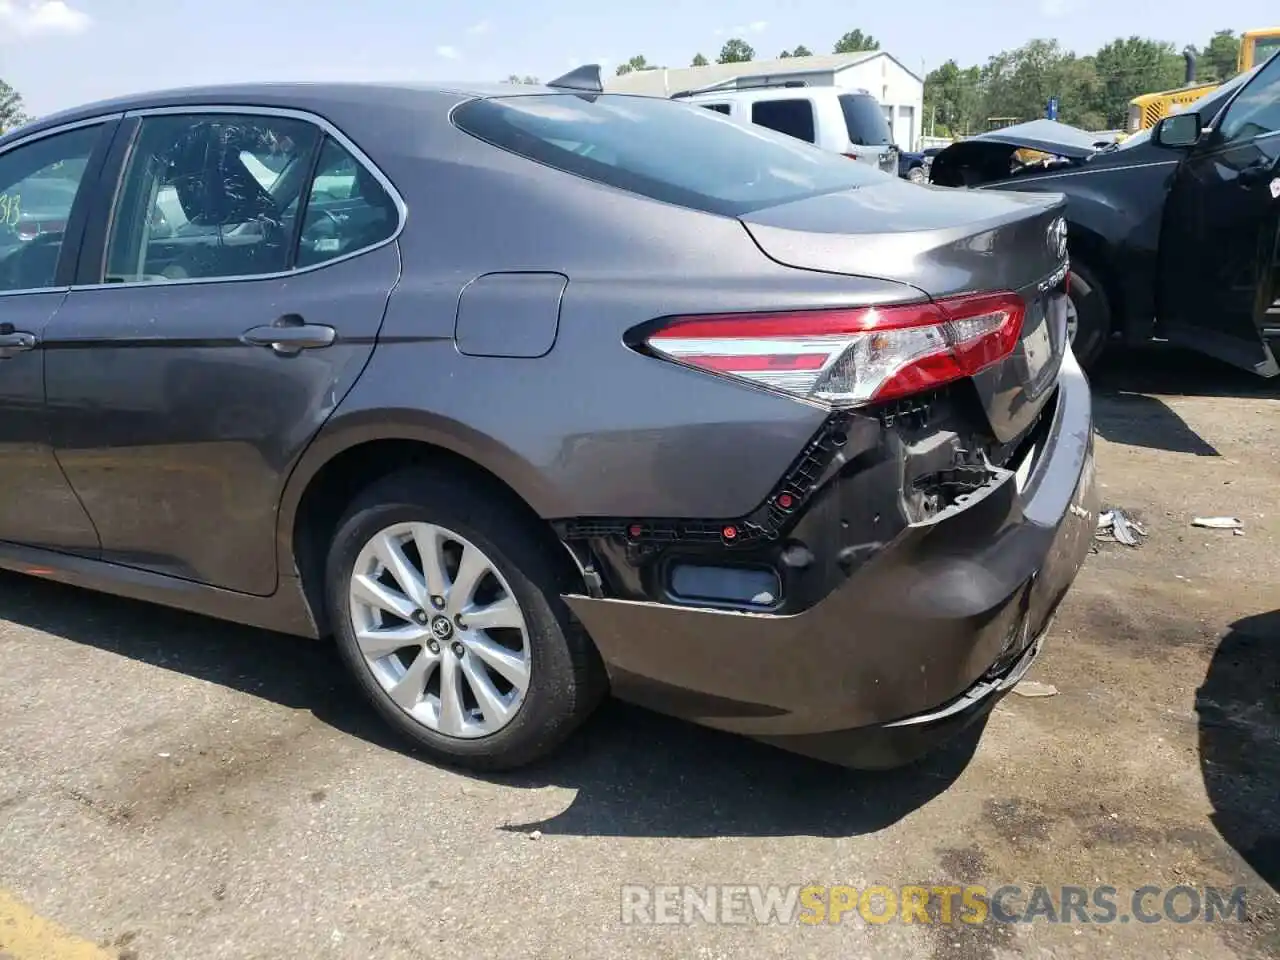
(800, 51)
(514, 78)
(1128, 68)
(635, 65)
(736, 51)
(699, 60)
(856, 40)
(1217, 60)
(12, 110)
(1019, 84)
(952, 100)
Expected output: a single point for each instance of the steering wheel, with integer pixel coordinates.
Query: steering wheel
(325, 225)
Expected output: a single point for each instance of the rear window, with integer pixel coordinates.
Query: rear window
(864, 120)
(792, 117)
(662, 149)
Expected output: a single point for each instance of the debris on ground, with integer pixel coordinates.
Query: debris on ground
(1218, 523)
(1033, 688)
(1114, 525)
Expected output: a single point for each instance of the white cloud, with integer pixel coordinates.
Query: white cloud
(448, 52)
(33, 18)
(480, 28)
(758, 26)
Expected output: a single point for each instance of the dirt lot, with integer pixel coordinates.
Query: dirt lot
(176, 788)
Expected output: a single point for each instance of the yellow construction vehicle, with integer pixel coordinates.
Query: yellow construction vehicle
(1150, 108)
(1256, 46)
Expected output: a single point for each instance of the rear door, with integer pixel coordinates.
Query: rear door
(1218, 251)
(229, 299)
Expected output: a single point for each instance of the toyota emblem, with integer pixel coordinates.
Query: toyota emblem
(1057, 238)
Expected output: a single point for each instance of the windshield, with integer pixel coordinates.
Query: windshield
(1207, 106)
(662, 149)
(864, 120)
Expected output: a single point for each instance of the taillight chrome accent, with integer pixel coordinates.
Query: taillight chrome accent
(853, 355)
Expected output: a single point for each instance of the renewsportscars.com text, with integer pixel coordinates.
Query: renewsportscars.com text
(970, 904)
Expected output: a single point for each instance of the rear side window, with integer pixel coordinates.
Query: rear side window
(792, 117)
(864, 120)
(648, 146)
(347, 209)
(717, 107)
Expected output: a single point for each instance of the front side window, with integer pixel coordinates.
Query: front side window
(1256, 112)
(209, 195)
(792, 117)
(644, 145)
(38, 185)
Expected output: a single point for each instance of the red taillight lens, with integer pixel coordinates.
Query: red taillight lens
(852, 156)
(854, 355)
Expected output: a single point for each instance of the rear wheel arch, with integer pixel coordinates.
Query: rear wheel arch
(331, 478)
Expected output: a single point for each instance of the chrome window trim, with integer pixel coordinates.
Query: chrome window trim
(40, 135)
(362, 158)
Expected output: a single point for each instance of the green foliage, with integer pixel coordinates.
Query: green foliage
(736, 51)
(634, 65)
(1093, 91)
(800, 51)
(856, 40)
(1217, 59)
(698, 60)
(12, 111)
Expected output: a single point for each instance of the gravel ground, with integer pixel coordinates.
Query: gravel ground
(173, 787)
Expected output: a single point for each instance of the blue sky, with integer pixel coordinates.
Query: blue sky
(60, 53)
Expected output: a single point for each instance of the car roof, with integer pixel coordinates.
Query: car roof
(300, 95)
(762, 93)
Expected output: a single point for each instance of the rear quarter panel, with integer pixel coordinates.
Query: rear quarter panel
(592, 428)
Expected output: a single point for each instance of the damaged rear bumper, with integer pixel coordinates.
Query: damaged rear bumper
(921, 639)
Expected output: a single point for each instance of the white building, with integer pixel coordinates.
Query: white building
(900, 92)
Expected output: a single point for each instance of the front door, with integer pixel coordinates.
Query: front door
(243, 284)
(43, 188)
(1221, 233)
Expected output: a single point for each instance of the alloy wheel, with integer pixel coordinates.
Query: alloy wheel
(1073, 320)
(440, 629)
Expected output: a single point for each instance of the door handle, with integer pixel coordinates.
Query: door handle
(290, 334)
(15, 343)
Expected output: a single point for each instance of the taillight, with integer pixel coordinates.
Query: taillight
(852, 355)
(852, 156)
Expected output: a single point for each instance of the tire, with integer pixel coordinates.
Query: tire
(916, 175)
(1088, 299)
(565, 679)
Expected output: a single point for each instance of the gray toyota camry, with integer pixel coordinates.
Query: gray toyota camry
(528, 394)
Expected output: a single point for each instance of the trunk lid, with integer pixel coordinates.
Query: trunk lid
(945, 242)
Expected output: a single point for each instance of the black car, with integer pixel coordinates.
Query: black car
(1173, 233)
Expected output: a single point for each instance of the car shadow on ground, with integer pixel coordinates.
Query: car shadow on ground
(1128, 383)
(1238, 706)
(637, 774)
